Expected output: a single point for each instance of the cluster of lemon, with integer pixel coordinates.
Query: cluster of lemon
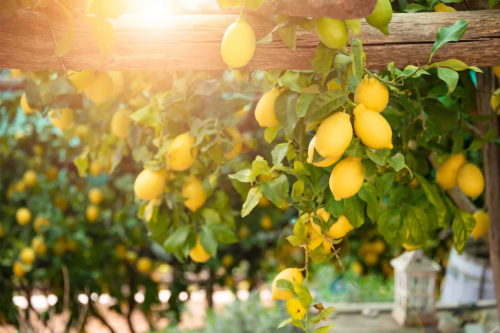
(95, 197)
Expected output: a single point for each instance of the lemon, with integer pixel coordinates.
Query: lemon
(18, 269)
(100, 89)
(264, 111)
(306, 23)
(16, 73)
(357, 268)
(238, 44)
(38, 244)
(482, 224)
(59, 247)
(23, 216)
(333, 33)
(64, 120)
(322, 213)
(239, 75)
(238, 145)
(92, 213)
(372, 128)
(410, 248)
(131, 257)
(340, 228)
(379, 246)
(354, 25)
(181, 154)
(288, 274)
(334, 135)
(347, 178)
(193, 192)
(198, 253)
(227, 260)
(295, 309)
(95, 196)
(443, 8)
(121, 251)
(496, 70)
(81, 131)
(371, 259)
(266, 223)
(470, 180)
(446, 176)
(150, 184)
(40, 223)
(119, 123)
(27, 109)
(310, 156)
(264, 202)
(82, 79)
(372, 93)
(144, 265)
(495, 101)
(414, 184)
(30, 178)
(117, 81)
(381, 16)
(27, 255)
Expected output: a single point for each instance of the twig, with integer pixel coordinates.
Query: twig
(340, 262)
(55, 42)
(98, 316)
(83, 312)
(131, 300)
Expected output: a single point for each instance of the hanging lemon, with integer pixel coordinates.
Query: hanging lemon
(334, 135)
(238, 44)
(372, 128)
(347, 178)
(372, 93)
(446, 175)
(181, 154)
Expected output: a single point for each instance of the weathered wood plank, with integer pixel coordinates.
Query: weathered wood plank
(192, 42)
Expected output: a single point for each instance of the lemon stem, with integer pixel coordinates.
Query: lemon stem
(241, 12)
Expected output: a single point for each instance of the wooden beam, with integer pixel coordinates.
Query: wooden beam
(192, 42)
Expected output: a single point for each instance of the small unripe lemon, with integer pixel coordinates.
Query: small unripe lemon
(27, 109)
(333, 33)
(18, 269)
(150, 184)
(266, 223)
(443, 8)
(310, 156)
(334, 135)
(92, 213)
(28, 255)
(340, 228)
(410, 248)
(81, 79)
(181, 154)
(144, 265)
(347, 178)
(372, 93)
(446, 176)
(193, 191)
(95, 168)
(288, 274)
(482, 224)
(470, 180)
(64, 120)
(372, 128)
(95, 196)
(119, 123)
(100, 89)
(227, 260)
(38, 244)
(39, 223)
(381, 16)
(495, 101)
(121, 251)
(131, 257)
(23, 216)
(295, 309)
(30, 178)
(414, 184)
(198, 253)
(238, 44)
(264, 111)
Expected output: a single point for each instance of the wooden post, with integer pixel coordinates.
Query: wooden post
(491, 162)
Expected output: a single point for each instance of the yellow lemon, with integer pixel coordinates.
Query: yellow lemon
(64, 120)
(322, 213)
(240, 76)
(118, 82)
(82, 79)
(100, 89)
(27, 255)
(38, 244)
(315, 237)
(238, 44)
(92, 213)
(266, 223)
(347, 178)
(27, 109)
(379, 246)
(18, 269)
(40, 223)
(357, 268)
(288, 274)
(495, 101)
(372, 93)
(181, 154)
(410, 248)
(340, 228)
(120, 122)
(131, 257)
(443, 8)
(120, 251)
(447, 174)
(23, 216)
(381, 16)
(371, 258)
(144, 265)
(198, 253)
(193, 191)
(95, 196)
(264, 111)
(264, 202)
(310, 156)
(482, 224)
(333, 33)
(30, 178)
(16, 73)
(334, 135)
(81, 131)
(227, 260)
(372, 128)
(295, 309)
(150, 184)
(95, 168)
(470, 180)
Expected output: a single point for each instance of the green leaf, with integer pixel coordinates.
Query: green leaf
(210, 215)
(279, 152)
(415, 8)
(391, 226)
(319, 255)
(449, 76)
(354, 210)
(463, 224)
(104, 35)
(271, 132)
(340, 62)
(285, 322)
(177, 239)
(357, 59)
(276, 190)
(458, 142)
(384, 184)
(333, 206)
(303, 103)
(323, 314)
(286, 285)
(299, 229)
(285, 111)
(244, 176)
(431, 192)
(322, 60)
(449, 34)
(108, 8)
(303, 294)
(377, 156)
(64, 45)
(493, 3)
(147, 116)
(296, 241)
(368, 194)
(253, 198)
(324, 329)
(325, 103)
(293, 81)
(418, 225)
(260, 167)
(397, 162)
(370, 168)
(298, 190)
(208, 241)
(287, 35)
(355, 148)
(222, 233)
(455, 64)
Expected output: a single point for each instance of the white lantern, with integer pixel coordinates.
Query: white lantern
(414, 290)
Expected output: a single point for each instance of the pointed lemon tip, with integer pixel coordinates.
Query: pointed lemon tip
(390, 146)
(385, 30)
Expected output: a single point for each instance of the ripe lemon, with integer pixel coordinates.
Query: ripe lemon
(443, 8)
(193, 191)
(372, 128)
(266, 223)
(371, 258)
(38, 244)
(410, 248)
(238, 44)
(40, 223)
(295, 309)
(347, 178)
(333, 33)
(150, 184)
(315, 238)
(131, 257)
(470, 180)
(92, 213)
(144, 265)
(27, 255)
(18, 269)
(30, 178)
(378, 246)
(119, 123)
(27, 109)
(227, 260)
(95, 196)
(264, 111)
(372, 93)
(310, 156)
(239, 75)
(82, 79)
(496, 70)
(181, 154)
(381, 16)
(495, 101)
(288, 274)
(482, 224)
(117, 81)
(100, 89)
(95, 168)
(322, 213)
(23, 216)
(16, 73)
(64, 120)
(120, 251)
(340, 228)
(414, 184)
(198, 253)
(446, 176)
(334, 135)
(81, 131)
(264, 202)
(357, 268)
